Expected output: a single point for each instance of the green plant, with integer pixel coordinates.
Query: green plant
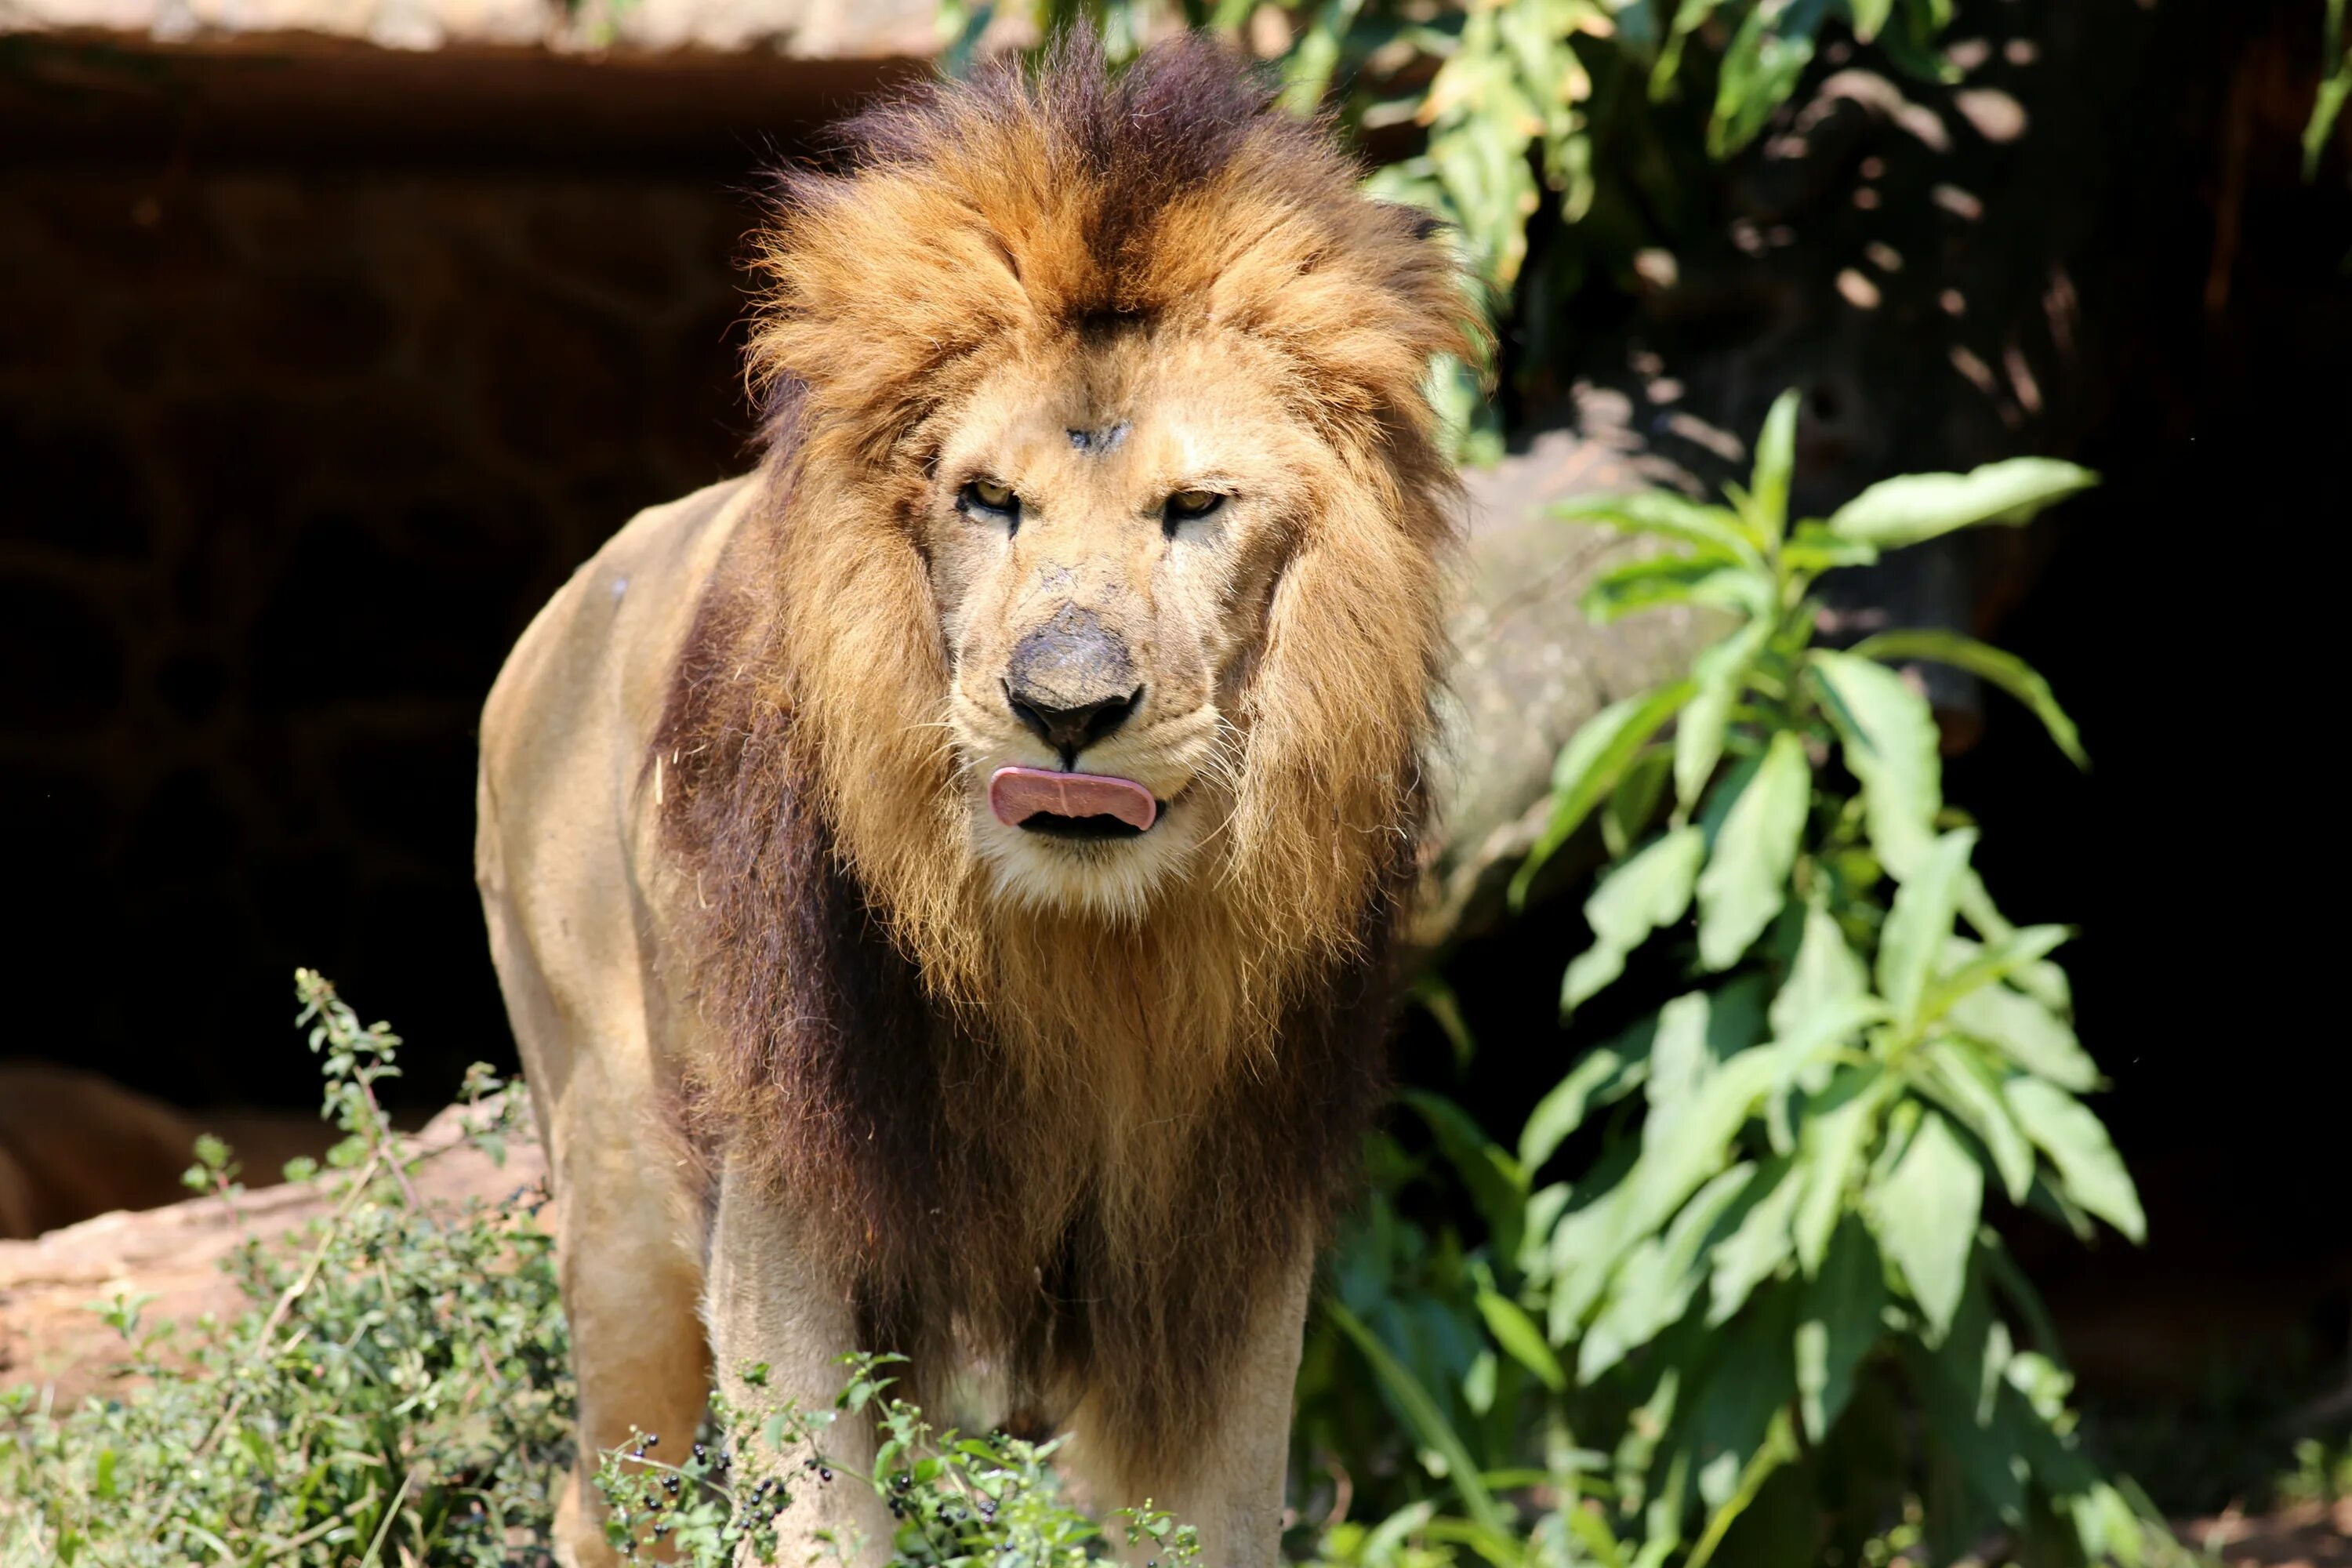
(2335, 87)
(1770, 1313)
(396, 1390)
(2322, 1473)
(956, 1500)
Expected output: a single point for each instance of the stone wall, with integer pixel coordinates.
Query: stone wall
(290, 458)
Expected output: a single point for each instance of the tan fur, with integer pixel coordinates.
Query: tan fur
(1070, 1113)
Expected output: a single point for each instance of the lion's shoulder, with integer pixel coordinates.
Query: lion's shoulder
(599, 653)
(565, 729)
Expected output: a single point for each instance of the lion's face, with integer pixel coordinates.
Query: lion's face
(1107, 519)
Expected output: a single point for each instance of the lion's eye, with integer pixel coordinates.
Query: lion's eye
(1185, 505)
(989, 498)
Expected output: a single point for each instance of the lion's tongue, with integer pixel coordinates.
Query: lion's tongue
(1016, 794)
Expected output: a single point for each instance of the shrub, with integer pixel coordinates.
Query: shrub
(396, 1390)
(1772, 1296)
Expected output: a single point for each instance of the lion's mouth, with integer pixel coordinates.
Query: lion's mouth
(1071, 805)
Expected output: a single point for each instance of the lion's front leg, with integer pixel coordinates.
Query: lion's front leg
(780, 1324)
(1225, 1480)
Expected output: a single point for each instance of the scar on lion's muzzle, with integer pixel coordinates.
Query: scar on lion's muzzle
(1074, 804)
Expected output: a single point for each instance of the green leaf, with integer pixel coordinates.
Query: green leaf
(1712, 528)
(1680, 1058)
(1840, 1323)
(1829, 1152)
(1658, 1277)
(1586, 1248)
(1759, 1243)
(1745, 1390)
(2333, 94)
(1914, 507)
(1761, 67)
(1589, 766)
(1718, 676)
(1683, 1145)
(2091, 1171)
(1800, 1058)
(1688, 19)
(1516, 1334)
(1438, 1000)
(1918, 926)
(1651, 891)
(1496, 1182)
(1869, 16)
(1711, 580)
(1608, 1073)
(1890, 739)
(2006, 670)
(2027, 1033)
(1972, 1090)
(1992, 963)
(1427, 1419)
(1746, 878)
(1632, 805)
(1926, 1214)
(1826, 972)
(1812, 548)
(1776, 459)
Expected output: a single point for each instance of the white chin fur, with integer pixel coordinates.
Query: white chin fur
(1110, 878)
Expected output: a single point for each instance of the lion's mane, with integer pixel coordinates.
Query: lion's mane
(1069, 1140)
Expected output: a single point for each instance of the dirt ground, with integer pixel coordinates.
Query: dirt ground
(2300, 1535)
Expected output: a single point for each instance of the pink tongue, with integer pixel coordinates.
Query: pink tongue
(1016, 794)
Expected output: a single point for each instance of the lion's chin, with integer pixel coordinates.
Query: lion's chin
(1097, 865)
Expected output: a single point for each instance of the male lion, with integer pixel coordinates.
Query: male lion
(942, 882)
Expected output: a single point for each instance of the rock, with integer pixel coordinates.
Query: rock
(48, 1335)
(1531, 668)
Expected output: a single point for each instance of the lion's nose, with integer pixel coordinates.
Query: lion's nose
(1072, 682)
(1070, 730)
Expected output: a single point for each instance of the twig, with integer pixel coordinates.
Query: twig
(385, 1135)
(286, 1300)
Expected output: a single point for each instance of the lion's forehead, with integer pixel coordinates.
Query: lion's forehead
(1160, 411)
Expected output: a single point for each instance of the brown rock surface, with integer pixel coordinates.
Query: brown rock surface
(48, 1334)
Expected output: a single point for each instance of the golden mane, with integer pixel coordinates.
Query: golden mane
(1198, 1068)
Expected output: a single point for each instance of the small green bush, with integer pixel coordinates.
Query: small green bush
(957, 1500)
(397, 1390)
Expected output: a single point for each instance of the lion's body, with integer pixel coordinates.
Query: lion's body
(827, 1057)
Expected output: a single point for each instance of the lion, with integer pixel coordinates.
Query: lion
(944, 881)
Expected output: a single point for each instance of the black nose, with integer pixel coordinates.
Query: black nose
(1071, 682)
(1070, 730)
